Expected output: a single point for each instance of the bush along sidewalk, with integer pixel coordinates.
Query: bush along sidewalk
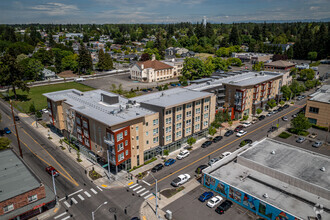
(145, 163)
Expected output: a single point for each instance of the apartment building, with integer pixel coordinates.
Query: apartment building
(318, 107)
(127, 132)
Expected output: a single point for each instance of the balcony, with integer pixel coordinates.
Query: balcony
(108, 141)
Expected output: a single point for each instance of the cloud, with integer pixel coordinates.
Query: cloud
(55, 9)
(314, 8)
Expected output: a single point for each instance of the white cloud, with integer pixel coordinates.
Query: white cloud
(55, 8)
(314, 8)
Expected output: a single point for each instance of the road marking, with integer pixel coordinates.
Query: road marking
(80, 197)
(74, 200)
(137, 188)
(151, 198)
(130, 183)
(141, 190)
(99, 188)
(104, 185)
(67, 204)
(93, 190)
(55, 210)
(144, 193)
(87, 194)
(146, 182)
(66, 218)
(78, 191)
(144, 218)
(220, 148)
(133, 186)
(60, 215)
(148, 196)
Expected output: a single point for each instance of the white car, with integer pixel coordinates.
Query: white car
(183, 154)
(246, 124)
(45, 110)
(214, 201)
(241, 133)
(225, 154)
(213, 161)
(181, 179)
(79, 79)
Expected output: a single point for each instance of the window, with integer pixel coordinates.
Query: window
(189, 114)
(155, 139)
(85, 124)
(197, 127)
(78, 121)
(147, 123)
(120, 136)
(155, 121)
(120, 156)
(8, 208)
(206, 123)
(147, 132)
(188, 105)
(178, 126)
(168, 138)
(188, 130)
(137, 128)
(198, 118)
(155, 131)
(125, 133)
(120, 147)
(168, 120)
(198, 110)
(126, 152)
(313, 110)
(207, 100)
(137, 147)
(169, 129)
(137, 138)
(178, 134)
(206, 108)
(126, 142)
(198, 103)
(206, 116)
(147, 142)
(312, 121)
(168, 112)
(179, 117)
(79, 129)
(33, 198)
(179, 108)
(79, 137)
(188, 122)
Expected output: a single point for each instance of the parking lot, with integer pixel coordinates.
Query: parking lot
(199, 210)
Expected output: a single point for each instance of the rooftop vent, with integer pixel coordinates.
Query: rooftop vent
(322, 169)
(273, 152)
(265, 195)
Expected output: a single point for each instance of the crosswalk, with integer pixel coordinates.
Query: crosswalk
(138, 189)
(75, 198)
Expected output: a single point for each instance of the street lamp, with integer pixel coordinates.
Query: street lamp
(98, 208)
(54, 185)
(156, 195)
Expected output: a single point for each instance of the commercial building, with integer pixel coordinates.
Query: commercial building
(279, 65)
(22, 194)
(127, 132)
(318, 107)
(253, 57)
(275, 180)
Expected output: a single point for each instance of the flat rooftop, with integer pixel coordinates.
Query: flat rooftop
(322, 95)
(15, 177)
(171, 97)
(90, 104)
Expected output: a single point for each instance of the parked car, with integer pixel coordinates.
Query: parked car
(223, 207)
(157, 168)
(239, 128)
(294, 115)
(181, 179)
(272, 129)
(217, 139)
(228, 133)
(286, 106)
(246, 124)
(261, 117)
(300, 139)
(303, 96)
(269, 114)
(317, 144)
(225, 154)
(299, 98)
(280, 109)
(214, 201)
(169, 162)
(79, 79)
(16, 118)
(241, 133)
(205, 196)
(200, 168)
(182, 154)
(45, 110)
(52, 171)
(313, 135)
(206, 144)
(254, 121)
(7, 130)
(213, 161)
(248, 141)
(284, 118)
(275, 112)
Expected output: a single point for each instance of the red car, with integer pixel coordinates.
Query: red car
(238, 128)
(51, 170)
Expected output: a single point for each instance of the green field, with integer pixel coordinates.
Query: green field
(24, 99)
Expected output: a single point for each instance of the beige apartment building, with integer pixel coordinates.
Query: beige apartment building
(318, 107)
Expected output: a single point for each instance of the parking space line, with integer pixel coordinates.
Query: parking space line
(137, 188)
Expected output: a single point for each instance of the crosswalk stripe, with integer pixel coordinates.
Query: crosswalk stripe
(60, 215)
(66, 218)
(74, 200)
(87, 194)
(133, 186)
(148, 196)
(144, 193)
(141, 190)
(99, 188)
(80, 197)
(137, 188)
(67, 204)
(93, 190)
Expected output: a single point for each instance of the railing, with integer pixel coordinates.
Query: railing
(108, 141)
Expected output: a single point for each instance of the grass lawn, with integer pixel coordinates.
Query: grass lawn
(35, 95)
(204, 55)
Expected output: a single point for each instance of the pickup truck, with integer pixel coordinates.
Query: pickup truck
(181, 179)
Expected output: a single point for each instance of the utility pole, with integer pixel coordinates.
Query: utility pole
(54, 185)
(156, 194)
(18, 142)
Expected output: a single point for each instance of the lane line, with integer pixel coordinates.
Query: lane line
(80, 197)
(78, 191)
(137, 188)
(87, 194)
(148, 196)
(67, 204)
(133, 186)
(188, 165)
(74, 200)
(66, 218)
(93, 190)
(141, 190)
(144, 193)
(60, 215)
(99, 188)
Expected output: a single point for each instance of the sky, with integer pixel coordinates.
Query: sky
(159, 11)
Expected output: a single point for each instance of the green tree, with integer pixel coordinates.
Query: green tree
(44, 56)
(32, 108)
(300, 123)
(70, 62)
(108, 64)
(234, 38)
(193, 68)
(101, 62)
(259, 111)
(209, 66)
(312, 56)
(258, 66)
(286, 92)
(271, 104)
(212, 130)
(191, 141)
(309, 84)
(85, 63)
(4, 143)
(282, 102)
(295, 87)
(38, 114)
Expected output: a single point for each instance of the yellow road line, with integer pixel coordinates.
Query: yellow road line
(73, 181)
(33, 123)
(130, 183)
(188, 165)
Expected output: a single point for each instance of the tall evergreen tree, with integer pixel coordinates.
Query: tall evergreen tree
(108, 64)
(85, 63)
(101, 62)
(234, 38)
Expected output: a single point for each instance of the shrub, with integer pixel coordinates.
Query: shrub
(166, 152)
(150, 161)
(94, 175)
(284, 135)
(320, 127)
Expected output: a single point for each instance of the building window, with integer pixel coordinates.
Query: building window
(120, 136)
(188, 122)
(179, 117)
(197, 127)
(179, 108)
(86, 142)
(85, 124)
(147, 142)
(168, 112)
(206, 116)
(178, 126)
(120, 156)
(78, 121)
(8, 208)
(207, 100)
(126, 152)
(206, 108)
(137, 138)
(120, 147)
(198, 103)
(155, 131)
(147, 123)
(168, 120)
(198, 118)
(189, 114)
(198, 110)
(33, 198)
(206, 123)
(79, 137)
(168, 138)
(155, 139)
(155, 122)
(126, 142)
(188, 105)
(188, 130)
(137, 128)
(169, 129)
(178, 134)
(147, 132)
(125, 133)
(312, 121)
(313, 110)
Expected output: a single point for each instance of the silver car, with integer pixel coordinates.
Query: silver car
(317, 144)
(300, 139)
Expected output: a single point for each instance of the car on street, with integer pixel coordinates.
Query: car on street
(182, 154)
(223, 207)
(225, 154)
(286, 106)
(241, 133)
(317, 144)
(272, 129)
(313, 135)
(214, 201)
(239, 128)
(303, 96)
(217, 139)
(228, 133)
(246, 124)
(280, 109)
(275, 112)
(254, 121)
(52, 171)
(294, 115)
(16, 118)
(157, 168)
(248, 141)
(213, 161)
(261, 117)
(200, 168)
(181, 179)
(269, 114)
(284, 118)
(79, 79)
(169, 162)
(206, 144)
(205, 196)
(7, 130)
(300, 139)
(299, 98)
